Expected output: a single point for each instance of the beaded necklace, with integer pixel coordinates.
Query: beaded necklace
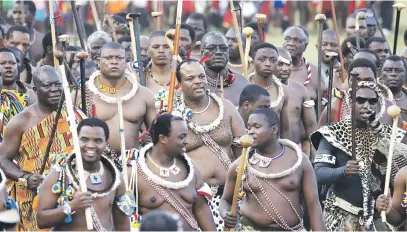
(107, 89)
(155, 80)
(264, 161)
(280, 90)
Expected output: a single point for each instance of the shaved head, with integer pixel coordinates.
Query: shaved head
(329, 32)
(42, 73)
(284, 53)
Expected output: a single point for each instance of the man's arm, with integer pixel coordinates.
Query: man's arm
(285, 129)
(9, 148)
(325, 160)
(228, 192)
(309, 120)
(200, 207)
(151, 111)
(48, 215)
(310, 193)
(120, 220)
(237, 124)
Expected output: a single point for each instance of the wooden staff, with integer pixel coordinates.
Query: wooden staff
(175, 56)
(138, 49)
(248, 32)
(378, 23)
(168, 37)
(78, 24)
(354, 75)
(398, 7)
(156, 15)
(332, 57)
(352, 48)
(239, 38)
(338, 41)
(71, 118)
(320, 18)
(22, 13)
(130, 19)
(393, 111)
(246, 141)
(82, 56)
(122, 142)
(360, 16)
(95, 15)
(260, 19)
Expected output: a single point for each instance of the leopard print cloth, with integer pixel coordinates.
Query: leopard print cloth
(339, 136)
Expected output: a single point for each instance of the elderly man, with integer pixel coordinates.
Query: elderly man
(215, 47)
(95, 42)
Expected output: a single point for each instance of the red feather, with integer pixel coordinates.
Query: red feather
(205, 58)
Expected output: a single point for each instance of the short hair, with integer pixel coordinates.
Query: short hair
(160, 221)
(262, 45)
(162, 126)
(211, 33)
(47, 41)
(351, 16)
(198, 16)
(7, 50)
(271, 116)
(255, 26)
(119, 19)
(44, 69)
(157, 34)
(374, 39)
(362, 63)
(94, 122)
(111, 45)
(252, 93)
(98, 35)
(19, 28)
(303, 29)
(124, 39)
(365, 50)
(395, 59)
(73, 49)
(190, 29)
(352, 39)
(178, 70)
(30, 6)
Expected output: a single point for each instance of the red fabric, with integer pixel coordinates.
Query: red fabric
(354, 5)
(227, 18)
(265, 9)
(188, 7)
(215, 4)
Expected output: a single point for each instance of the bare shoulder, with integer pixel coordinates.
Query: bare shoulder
(297, 86)
(145, 94)
(21, 120)
(228, 107)
(239, 78)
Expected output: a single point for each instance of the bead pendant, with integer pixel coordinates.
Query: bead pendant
(254, 159)
(95, 178)
(404, 201)
(164, 172)
(175, 170)
(264, 163)
(57, 188)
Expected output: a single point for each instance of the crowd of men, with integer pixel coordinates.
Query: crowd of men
(149, 170)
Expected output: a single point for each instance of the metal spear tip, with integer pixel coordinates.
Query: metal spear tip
(399, 6)
(248, 31)
(261, 17)
(133, 15)
(156, 14)
(320, 17)
(361, 16)
(246, 141)
(331, 55)
(354, 73)
(393, 111)
(82, 55)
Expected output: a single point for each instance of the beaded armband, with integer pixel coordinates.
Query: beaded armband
(309, 104)
(64, 194)
(126, 203)
(205, 191)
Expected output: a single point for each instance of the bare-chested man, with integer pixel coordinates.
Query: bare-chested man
(26, 139)
(110, 83)
(296, 41)
(168, 179)
(95, 42)
(158, 73)
(64, 210)
(394, 76)
(265, 57)
(300, 108)
(253, 97)
(215, 45)
(278, 177)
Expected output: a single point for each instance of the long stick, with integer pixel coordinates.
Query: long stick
(95, 15)
(22, 13)
(393, 111)
(138, 49)
(332, 56)
(354, 75)
(359, 16)
(260, 19)
(338, 41)
(175, 56)
(168, 34)
(132, 36)
(71, 118)
(79, 24)
(83, 84)
(155, 16)
(378, 24)
(398, 7)
(248, 32)
(122, 142)
(320, 18)
(239, 38)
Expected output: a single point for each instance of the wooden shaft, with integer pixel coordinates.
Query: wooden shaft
(175, 56)
(95, 14)
(22, 13)
(78, 24)
(329, 107)
(378, 24)
(133, 39)
(389, 161)
(239, 180)
(338, 41)
(320, 70)
(396, 32)
(170, 43)
(260, 31)
(247, 49)
(122, 142)
(71, 118)
(83, 84)
(239, 39)
(353, 115)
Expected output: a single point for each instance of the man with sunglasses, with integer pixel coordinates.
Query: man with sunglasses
(355, 183)
(215, 50)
